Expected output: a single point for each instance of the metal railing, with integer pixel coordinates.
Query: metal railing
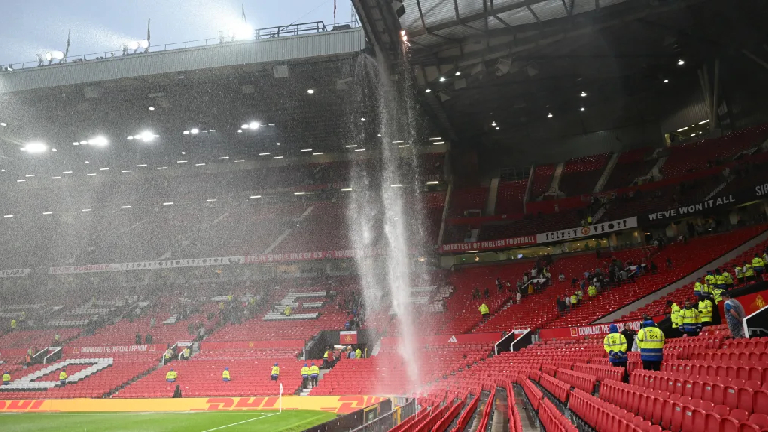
(297, 29)
(387, 421)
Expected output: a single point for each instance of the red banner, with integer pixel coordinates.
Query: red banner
(307, 256)
(250, 345)
(589, 330)
(493, 244)
(348, 337)
(114, 349)
(459, 339)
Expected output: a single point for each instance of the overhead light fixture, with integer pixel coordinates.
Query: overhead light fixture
(428, 90)
(441, 142)
(316, 153)
(264, 154)
(211, 200)
(306, 150)
(397, 142)
(682, 129)
(362, 119)
(168, 203)
(359, 150)
(8, 216)
(435, 139)
(130, 137)
(103, 169)
(181, 162)
(47, 213)
(124, 172)
(442, 79)
(582, 109)
(432, 182)
(396, 185)
(550, 115)
(147, 136)
(239, 131)
(194, 131)
(67, 172)
(278, 157)
(224, 157)
(3, 124)
(57, 177)
(299, 193)
(497, 128)
(91, 174)
(254, 125)
(583, 94)
(404, 145)
(35, 147)
(240, 160)
(458, 73)
(162, 168)
(703, 121)
(53, 150)
(185, 132)
(151, 108)
(125, 206)
(87, 162)
(681, 62)
(351, 146)
(493, 123)
(693, 134)
(29, 175)
(200, 164)
(346, 189)
(255, 196)
(20, 180)
(85, 210)
(141, 165)
(310, 91)
(666, 81)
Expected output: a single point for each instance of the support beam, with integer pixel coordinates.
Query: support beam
(538, 20)
(477, 16)
(713, 123)
(757, 59)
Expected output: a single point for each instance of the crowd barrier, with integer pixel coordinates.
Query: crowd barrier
(335, 404)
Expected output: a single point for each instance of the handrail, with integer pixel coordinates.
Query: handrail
(296, 29)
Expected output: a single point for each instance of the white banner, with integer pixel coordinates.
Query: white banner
(149, 265)
(15, 273)
(581, 232)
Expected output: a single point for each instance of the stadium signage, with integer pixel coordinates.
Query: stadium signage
(114, 349)
(149, 265)
(693, 208)
(494, 244)
(305, 256)
(590, 330)
(586, 231)
(15, 273)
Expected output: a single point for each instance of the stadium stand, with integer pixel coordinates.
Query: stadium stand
(580, 175)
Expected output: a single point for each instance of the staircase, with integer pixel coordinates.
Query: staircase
(606, 174)
(720, 187)
(305, 392)
(285, 233)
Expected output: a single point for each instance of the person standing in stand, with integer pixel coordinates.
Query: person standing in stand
(650, 340)
(734, 315)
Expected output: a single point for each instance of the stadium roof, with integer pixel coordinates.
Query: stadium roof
(513, 62)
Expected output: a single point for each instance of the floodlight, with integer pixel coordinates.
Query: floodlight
(146, 136)
(681, 62)
(583, 94)
(253, 125)
(143, 44)
(242, 30)
(310, 91)
(134, 45)
(550, 115)
(99, 141)
(245, 126)
(54, 55)
(195, 131)
(35, 147)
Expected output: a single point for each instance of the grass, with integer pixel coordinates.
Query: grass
(237, 421)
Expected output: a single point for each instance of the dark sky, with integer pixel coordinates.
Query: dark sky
(28, 27)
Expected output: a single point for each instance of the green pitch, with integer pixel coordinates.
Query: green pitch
(232, 421)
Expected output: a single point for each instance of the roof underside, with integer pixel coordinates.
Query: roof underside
(516, 61)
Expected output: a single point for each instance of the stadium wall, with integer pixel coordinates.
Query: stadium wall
(334, 404)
